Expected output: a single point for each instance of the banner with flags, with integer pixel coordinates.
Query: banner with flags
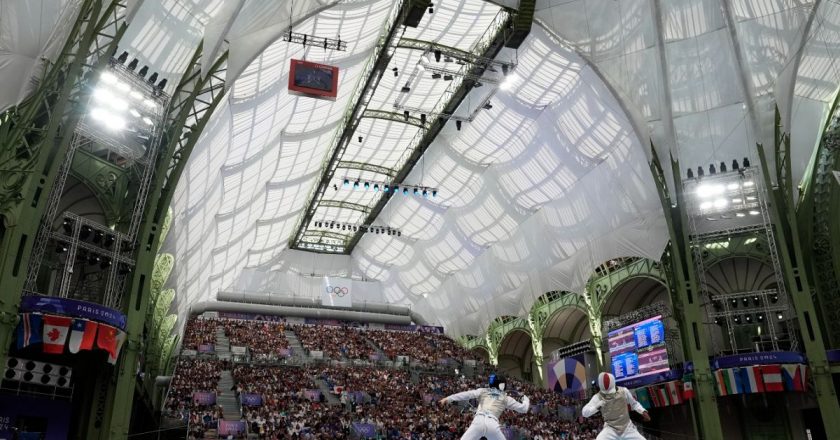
(761, 379)
(56, 329)
(82, 335)
(663, 394)
(643, 396)
(29, 329)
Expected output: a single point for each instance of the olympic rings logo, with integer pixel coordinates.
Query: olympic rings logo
(337, 291)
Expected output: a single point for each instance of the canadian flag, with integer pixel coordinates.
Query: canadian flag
(56, 329)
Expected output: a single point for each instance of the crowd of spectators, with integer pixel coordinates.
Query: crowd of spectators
(200, 332)
(336, 342)
(194, 375)
(398, 405)
(424, 348)
(262, 338)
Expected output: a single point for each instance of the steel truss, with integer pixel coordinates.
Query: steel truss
(108, 30)
(763, 228)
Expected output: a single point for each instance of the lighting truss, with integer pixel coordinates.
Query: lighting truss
(355, 227)
(572, 350)
(312, 40)
(385, 187)
(723, 196)
(464, 72)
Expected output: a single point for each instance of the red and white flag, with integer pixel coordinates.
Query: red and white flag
(688, 390)
(56, 329)
(772, 375)
(82, 335)
(675, 392)
(112, 357)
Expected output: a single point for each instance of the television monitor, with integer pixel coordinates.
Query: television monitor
(313, 79)
(638, 349)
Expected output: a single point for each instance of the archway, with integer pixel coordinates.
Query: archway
(481, 354)
(516, 355)
(566, 326)
(744, 316)
(632, 293)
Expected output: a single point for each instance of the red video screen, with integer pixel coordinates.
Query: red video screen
(313, 79)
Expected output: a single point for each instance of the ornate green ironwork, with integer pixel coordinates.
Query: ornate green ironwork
(107, 181)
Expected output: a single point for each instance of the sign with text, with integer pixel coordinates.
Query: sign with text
(337, 292)
(71, 307)
(638, 349)
(231, 427)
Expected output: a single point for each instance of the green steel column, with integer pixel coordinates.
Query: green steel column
(535, 332)
(687, 311)
(195, 99)
(33, 143)
(596, 329)
(796, 281)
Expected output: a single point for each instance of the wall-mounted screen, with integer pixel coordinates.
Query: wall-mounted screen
(638, 349)
(314, 79)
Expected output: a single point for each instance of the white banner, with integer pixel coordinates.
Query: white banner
(337, 292)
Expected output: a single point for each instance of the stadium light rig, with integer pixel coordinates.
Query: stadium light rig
(387, 187)
(723, 194)
(119, 104)
(355, 227)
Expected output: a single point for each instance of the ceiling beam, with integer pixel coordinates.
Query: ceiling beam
(395, 117)
(362, 166)
(489, 52)
(343, 205)
(352, 118)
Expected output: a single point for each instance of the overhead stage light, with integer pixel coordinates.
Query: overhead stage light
(436, 75)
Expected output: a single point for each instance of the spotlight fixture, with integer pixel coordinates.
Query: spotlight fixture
(435, 75)
(396, 71)
(109, 241)
(405, 89)
(335, 187)
(422, 118)
(431, 8)
(505, 68)
(737, 319)
(780, 316)
(734, 165)
(67, 225)
(722, 167)
(361, 139)
(712, 169)
(143, 71)
(153, 78)
(748, 318)
(161, 84)
(746, 162)
(356, 185)
(437, 55)
(123, 58)
(133, 64)
(458, 125)
(61, 248)
(690, 174)
(85, 232)
(488, 106)
(759, 317)
(447, 77)
(367, 185)
(406, 114)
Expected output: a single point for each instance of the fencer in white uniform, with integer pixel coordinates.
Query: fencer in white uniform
(611, 401)
(492, 402)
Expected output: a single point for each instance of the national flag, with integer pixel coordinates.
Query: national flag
(792, 377)
(56, 329)
(772, 375)
(804, 376)
(643, 396)
(674, 392)
(721, 386)
(112, 357)
(654, 396)
(752, 380)
(29, 329)
(688, 390)
(664, 398)
(82, 335)
(106, 339)
(734, 381)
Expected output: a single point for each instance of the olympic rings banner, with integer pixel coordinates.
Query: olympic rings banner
(337, 292)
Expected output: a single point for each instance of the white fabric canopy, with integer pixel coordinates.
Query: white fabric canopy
(30, 31)
(532, 194)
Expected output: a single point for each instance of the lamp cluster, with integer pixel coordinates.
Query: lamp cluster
(352, 227)
(119, 105)
(97, 245)
(722, 168)
(367, 185)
